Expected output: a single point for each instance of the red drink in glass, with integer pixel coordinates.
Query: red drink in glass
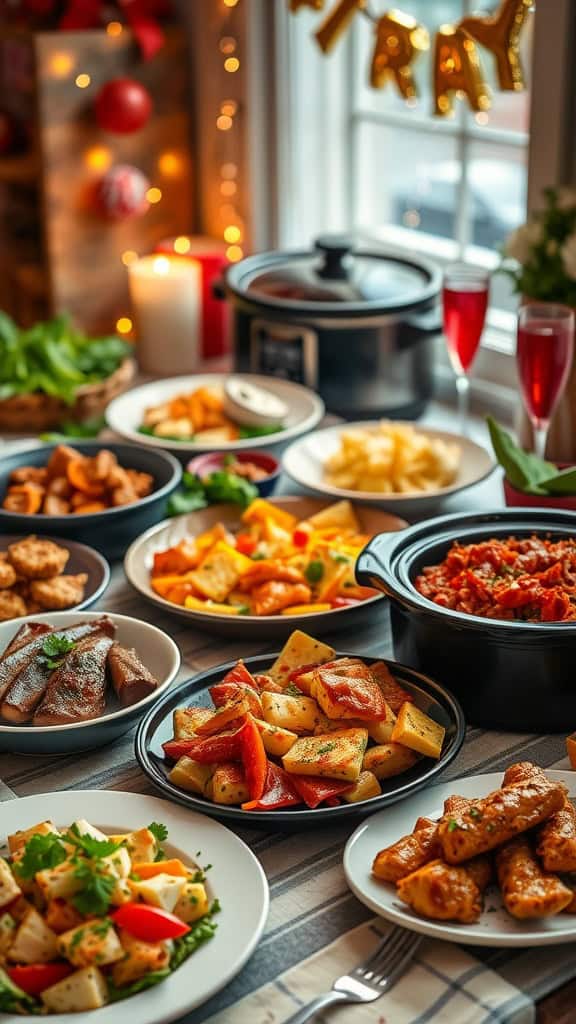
(465, 307)
(544, 359)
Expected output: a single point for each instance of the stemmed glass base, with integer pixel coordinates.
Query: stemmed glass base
(463, 390)
(540, 438)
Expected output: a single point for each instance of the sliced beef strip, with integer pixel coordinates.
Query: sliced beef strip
(131, 680)
(76, 692)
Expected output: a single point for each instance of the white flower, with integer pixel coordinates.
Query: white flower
(520, 243)
(569, 256)
(566, 197)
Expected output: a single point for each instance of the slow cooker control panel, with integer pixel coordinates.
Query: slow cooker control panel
(279, 350)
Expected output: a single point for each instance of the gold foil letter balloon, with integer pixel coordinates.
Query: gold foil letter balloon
(336, 22)
(500, 33)
(457, 70)
(399, 40)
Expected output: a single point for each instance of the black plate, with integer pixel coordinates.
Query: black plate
(156, 728)
(82, 559)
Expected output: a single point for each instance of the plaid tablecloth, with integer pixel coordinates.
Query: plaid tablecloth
(317, 929)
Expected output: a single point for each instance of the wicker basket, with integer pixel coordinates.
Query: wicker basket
(34, 413)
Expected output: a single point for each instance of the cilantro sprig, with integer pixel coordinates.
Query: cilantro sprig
(53, 649)
(41, 852)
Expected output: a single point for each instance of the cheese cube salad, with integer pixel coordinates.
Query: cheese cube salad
(87, 919)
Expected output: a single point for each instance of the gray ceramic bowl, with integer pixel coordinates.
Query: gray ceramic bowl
(82, 559)
(156, 650)
(114, 529)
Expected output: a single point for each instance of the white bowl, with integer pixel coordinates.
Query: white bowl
(125, 414)
(156, 650)
(305, 459)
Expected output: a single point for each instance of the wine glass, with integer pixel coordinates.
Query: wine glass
(465, 301)
(544, 357)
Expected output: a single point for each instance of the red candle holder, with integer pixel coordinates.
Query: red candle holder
(211, 255)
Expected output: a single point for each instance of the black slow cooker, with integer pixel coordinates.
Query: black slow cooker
(356, 326)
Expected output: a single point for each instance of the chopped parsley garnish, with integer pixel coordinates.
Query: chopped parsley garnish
(453, 825)
(326, 748)
(41, 852)
(96, 848)
(258, 556)
(337, 557)
(159, 831)
(97, 887)
(475, 813)
(314, 571)
(292, 690)
(53, 649)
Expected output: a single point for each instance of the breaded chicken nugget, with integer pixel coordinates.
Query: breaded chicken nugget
(37, 559)
(7, 575)
(59, 592)
(11, 606)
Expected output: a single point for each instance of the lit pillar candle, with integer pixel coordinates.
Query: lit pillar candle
(210, 254)
(165, 295)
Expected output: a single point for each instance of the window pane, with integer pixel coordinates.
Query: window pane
(406, 178)
(496, 192)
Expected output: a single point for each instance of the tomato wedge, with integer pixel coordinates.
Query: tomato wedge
(149, 924)
(34, 978)
(315, 790)
(253, 756)
(278, 792)
(246, 543)
(225, 747)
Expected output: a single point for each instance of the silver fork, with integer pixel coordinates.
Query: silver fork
(369, 980)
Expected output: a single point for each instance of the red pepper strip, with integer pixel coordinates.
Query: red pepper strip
(332, 801)
(149, 924)
(225, 747)
(345, 602)
(245, 543)
(314, 790)
(253, 757)
(300, 538)
(240, 674)
(222, 693)
(34, 978)
(301, 671)
(278, 792)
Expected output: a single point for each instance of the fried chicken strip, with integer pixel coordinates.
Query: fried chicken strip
(497, 818)
(556, 844)
(527, 890)
(444, 892)
(413, 851)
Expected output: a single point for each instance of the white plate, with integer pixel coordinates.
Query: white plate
(495, 928)
(236, 879)
(125, 414)
(304, 462)
(156, 650)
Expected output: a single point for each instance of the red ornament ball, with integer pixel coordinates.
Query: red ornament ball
(122, 106)
(121, 193)
(8, 133)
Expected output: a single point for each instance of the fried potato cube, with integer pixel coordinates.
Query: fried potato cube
(366, 787)
(186, 721)
(58, 882)
(93, 942)
(193, 903)
(340, 514)
(393, 693)
(277, 741)
(35, 942)
(229, 784)
(86, 989)
(162, 890)
(222, 718)
(61, 916)
(337, 755)
(300, 650)
(37, 559)
(381, 732)
(192, 776)
(415, 729)
(219, 571)
(141, 845)
(17, 841)
(389, 759)
(140, 958)
(297, 714)
(9, 888)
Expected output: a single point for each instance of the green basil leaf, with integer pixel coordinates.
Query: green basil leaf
(522, 469)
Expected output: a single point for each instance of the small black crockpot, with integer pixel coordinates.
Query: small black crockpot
(507, 675)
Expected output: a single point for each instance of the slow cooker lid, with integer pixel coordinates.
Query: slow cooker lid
(335, 275)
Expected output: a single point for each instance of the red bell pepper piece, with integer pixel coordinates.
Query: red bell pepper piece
(149, 924)
(300, 537)
(345, 602)
(34, 978)
(222, 693)
(253, 757)
(240, 674)
(224, 747)
(314, 790)
(278, 792)
(246, 543)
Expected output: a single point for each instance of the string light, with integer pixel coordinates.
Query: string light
(98, 158)
(124, 325)
(231, 64)
(234, 253)
(230, 3)
(228, 188)
(231, 221)
(154, 195)
(229, 107)
(229, 170)
(61, 64)
(129, 257)
(83, 81)
(182, 245)
(170, 164)
(224, 123)
(232, 233)
(228, 44)
(114, 28)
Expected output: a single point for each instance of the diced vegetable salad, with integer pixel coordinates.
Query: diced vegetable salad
(273, 565)
(87, 919)
(314, 730)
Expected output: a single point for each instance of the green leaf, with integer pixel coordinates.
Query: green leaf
(14, 1000)
(314, 571)
(53, 647)
(159, 831)
(95, 848)
(41, 852)
(522, 469)
(201, 932)
(148, 981)
(97, 888)
(246, 432)
(562, 482)
(227, 487)
(181, 503)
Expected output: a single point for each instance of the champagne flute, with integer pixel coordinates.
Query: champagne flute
(465, 301)
(544, 357)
